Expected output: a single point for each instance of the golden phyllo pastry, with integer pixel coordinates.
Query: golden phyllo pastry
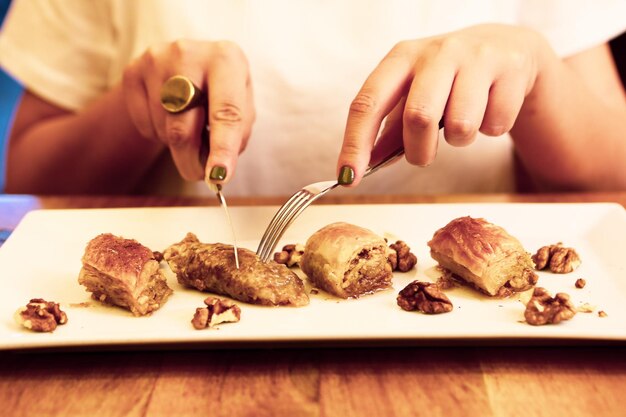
(211, 267)
(483, 255)
(347, 260)
(125, 273)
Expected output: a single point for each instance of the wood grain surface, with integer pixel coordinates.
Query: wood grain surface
(462, 380)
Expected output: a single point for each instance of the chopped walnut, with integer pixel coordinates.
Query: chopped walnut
(401, 258)
(40, 315)
(290, 255)
(217, 311)
(158, 256)
(557, 258)
(425, 297)
(586, 308)
(543, 309)
(602, 313)
(580, 283)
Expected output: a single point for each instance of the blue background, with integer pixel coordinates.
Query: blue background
(10, 91)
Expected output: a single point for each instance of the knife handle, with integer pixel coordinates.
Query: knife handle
(203, 155)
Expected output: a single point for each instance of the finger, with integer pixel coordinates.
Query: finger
(466, 105)
(183, 147)
(390, 139)
(425, 106)
(153, 76)
(380, 93)
(136, 100)
(506, 98)
(250, 115)
(184, 131)
(228, 112)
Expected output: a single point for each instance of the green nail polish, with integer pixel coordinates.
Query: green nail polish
(346, 175)
(218, 173)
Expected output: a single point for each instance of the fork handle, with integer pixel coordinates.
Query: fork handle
(391, 157)
(386, 161)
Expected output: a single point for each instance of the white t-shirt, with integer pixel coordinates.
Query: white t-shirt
(307, 59)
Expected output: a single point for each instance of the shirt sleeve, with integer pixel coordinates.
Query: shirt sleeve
(572, 26)
(60, 50)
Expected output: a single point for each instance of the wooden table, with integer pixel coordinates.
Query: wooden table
(323, 381)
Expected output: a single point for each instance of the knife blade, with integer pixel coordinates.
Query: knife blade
(217, 188)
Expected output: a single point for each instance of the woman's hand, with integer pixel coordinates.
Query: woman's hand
(220, 69)
(475, 79)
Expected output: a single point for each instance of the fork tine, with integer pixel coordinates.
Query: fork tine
(287, 214)
(274, 220)
(288, 218)
(299, 201)
(277, 221)
(281, 225)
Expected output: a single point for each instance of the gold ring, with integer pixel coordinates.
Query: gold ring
(179, 93)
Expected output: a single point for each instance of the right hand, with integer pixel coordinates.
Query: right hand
(220, 69)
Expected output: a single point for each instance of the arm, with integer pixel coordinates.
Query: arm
(104, 148)
(566, 117)
(97, 150)
(571, 130)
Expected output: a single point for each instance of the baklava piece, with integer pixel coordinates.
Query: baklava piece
(483, 255)
(347, 260)
(211, 267)
(124, 273)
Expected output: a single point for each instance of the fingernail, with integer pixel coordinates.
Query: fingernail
(346, 175)
(218, 173)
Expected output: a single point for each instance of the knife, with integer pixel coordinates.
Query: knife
(178, 94)
(217, 189)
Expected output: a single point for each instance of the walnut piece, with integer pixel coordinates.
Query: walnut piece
(40, 315)
(557, 258)
(425, 297)
(290, 255)
(544, 309)
(217, 311)
(158, 256)
(401, 258)
(602, 313)
(580, 283)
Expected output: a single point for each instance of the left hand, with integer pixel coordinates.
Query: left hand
(475, 79)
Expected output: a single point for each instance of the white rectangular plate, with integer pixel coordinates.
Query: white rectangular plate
(42, 258)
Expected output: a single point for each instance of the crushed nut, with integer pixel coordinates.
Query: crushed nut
(557, 258)
(447, 282)
(290, 255)
(580, 283)
(401, 258)
(586, 308)
(425, 297)
(158, 256)
(543, 309)
(602, 313)
(40, 315)
(217, 311)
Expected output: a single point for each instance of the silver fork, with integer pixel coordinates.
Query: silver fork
(300, 201)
